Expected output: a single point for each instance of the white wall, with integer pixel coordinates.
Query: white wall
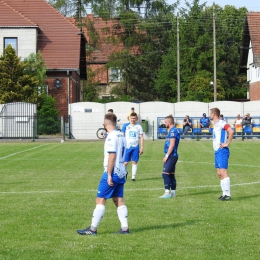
(26, 37)
(85, 124)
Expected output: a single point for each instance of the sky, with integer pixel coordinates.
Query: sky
(251, 5)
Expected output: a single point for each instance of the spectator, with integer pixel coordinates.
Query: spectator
(132, 111)
(187, 124)
(221, 117)
(247, 121)
(110, 110)
(238, 121)
(204, 121)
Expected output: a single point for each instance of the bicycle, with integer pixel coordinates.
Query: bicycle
(102, 133)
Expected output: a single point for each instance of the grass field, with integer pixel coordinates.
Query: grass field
(47, 192)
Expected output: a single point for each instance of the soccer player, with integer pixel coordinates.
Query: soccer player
(170, 158)
(133, 133)
(113, 179)
(222, 137)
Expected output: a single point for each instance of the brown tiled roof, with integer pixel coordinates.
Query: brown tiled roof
(58, 39)
(9, 17)
(253, 19)
(105, 30)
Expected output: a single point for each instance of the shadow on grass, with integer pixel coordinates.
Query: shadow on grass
(245, 197)
(176, 225)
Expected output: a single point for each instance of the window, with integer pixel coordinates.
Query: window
(11, 41)
(115, 75)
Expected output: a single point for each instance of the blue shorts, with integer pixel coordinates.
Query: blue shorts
(105, 191)
(132, 154)
(221, 158)
(170, 164)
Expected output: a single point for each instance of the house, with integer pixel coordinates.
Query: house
(33, 25)
(100, 51)
(250, 54)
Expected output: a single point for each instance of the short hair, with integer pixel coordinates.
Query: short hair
(110, 110)
(215, 111)
(133, 114)
(111, 117)
(132, 108)
(170, 119)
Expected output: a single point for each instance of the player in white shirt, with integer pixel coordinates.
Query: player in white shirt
(113, 179)
(222, 137)
(133, 133)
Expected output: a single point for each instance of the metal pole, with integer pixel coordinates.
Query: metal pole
(214, 50)
(178, 60)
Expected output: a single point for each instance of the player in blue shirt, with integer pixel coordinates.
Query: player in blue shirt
(113, 179)
(204, 121)
(170, 158)
(222, 137)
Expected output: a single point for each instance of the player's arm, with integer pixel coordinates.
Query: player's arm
(230, 136)
(170, 149)
(141, 144)
(110, 167)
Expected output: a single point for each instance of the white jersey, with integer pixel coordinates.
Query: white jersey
(115, 143)
(132, 134)
(219, 134)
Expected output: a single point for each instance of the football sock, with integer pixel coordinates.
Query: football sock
(97, 216)
(173, 182)
(167, 182)
(226, 182)
(134, 170)
(173, 193)
(222, 187)
(122, 215)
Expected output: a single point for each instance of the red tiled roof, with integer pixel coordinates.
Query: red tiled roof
(58, 39)
(11, 18)
(253, 19)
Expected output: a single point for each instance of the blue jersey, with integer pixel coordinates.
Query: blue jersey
(173, 133)
(205, 121)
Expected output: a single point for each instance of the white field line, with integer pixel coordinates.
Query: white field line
(1, 158)
(151, 189)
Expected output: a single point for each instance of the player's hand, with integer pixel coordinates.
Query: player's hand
(141, 151)
(109, 181)
(222, 145)
(165, 159)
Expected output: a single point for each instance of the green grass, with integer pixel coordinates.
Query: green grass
(47, 192)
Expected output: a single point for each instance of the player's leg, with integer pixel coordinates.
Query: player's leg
(127, 160)
(135, 159)
(173, 182)
(122, 210)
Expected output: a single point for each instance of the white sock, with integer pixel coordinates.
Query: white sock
(167, 192)
(134, 170)
(173, 193)
(122, 215)
(226, 182)
(98, 214)
(222, 187)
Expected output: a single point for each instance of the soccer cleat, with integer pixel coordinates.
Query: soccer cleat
(224, 198)
(121, 232)
(87, 231)
(133, 179)
(220, 198)
(165, 196)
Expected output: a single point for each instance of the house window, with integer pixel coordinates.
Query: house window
(115, 75)
(11, 41)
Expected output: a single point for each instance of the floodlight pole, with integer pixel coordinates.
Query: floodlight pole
(214, 50)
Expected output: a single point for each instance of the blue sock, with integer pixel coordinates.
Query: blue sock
(167, 182)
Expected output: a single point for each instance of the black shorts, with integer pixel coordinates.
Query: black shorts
(170, 164)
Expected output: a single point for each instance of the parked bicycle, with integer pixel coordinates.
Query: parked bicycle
(102, 133)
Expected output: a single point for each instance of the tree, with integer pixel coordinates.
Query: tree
(47, 117)
(16, 84)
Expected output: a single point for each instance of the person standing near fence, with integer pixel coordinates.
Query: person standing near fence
(133, 133)
(222, 137)
(170, 158)
(113, 179)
